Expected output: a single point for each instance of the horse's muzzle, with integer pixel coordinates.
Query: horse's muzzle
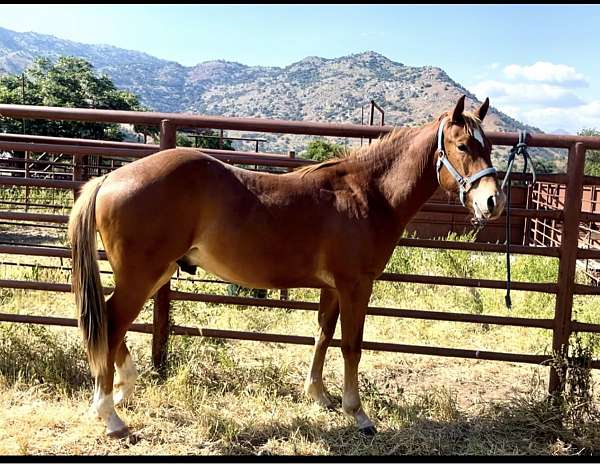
(487, 201)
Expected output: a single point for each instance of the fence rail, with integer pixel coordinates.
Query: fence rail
(566, 248)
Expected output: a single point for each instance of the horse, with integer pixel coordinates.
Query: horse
(331, 226)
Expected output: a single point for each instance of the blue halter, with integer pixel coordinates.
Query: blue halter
(464, 183)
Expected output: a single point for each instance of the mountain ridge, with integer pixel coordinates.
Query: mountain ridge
(313, 88)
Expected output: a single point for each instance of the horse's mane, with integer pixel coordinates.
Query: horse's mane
(396, 135)
(472, 122)
(313, 167)
(347, 153)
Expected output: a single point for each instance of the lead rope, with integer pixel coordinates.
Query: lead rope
(519, 149)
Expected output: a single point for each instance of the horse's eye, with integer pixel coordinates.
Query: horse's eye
(463, 147)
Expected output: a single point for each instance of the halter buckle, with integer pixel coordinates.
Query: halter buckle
(464, 183)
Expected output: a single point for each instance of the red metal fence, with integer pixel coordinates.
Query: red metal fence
(569, 215)
(548, 232)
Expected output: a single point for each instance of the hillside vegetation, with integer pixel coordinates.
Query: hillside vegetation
(312, 89)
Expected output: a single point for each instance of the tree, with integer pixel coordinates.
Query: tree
(322, 150)
(544, 166)
(592, 157)
(183, 140)
(69, 82)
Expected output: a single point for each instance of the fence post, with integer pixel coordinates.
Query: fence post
(162, 303)
(26, 176)
(527, 222)
(77, 173)
(292, 155)
(568, 259)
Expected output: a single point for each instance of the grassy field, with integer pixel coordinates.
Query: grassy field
(236, 397)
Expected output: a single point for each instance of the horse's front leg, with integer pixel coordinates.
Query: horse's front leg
(354, 299)
(328, 316)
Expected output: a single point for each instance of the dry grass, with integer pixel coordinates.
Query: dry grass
(222, 398)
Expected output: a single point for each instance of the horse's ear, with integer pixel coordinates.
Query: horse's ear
(481, 112)
(458, 110)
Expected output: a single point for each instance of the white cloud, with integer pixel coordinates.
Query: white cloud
(585, 116)
(543, 71)
(527, 94)
(591, 109)
(542, 94)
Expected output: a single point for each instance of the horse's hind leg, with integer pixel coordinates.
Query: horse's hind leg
(123, 306)
(122, 309)
(126, 374)
(328, 316)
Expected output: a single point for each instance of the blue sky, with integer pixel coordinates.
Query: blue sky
(538, 63)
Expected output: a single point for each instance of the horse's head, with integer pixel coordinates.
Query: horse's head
(464, 164)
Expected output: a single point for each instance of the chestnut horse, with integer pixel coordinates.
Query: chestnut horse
(332, 226)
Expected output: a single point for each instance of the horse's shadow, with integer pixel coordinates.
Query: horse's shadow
(508, 430)
(10, 237)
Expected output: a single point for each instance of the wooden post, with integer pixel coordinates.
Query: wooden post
(160, 328)
(568, 259)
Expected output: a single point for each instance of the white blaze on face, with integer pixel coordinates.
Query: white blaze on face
(478, 136)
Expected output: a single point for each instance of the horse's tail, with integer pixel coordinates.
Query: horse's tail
(91, 306)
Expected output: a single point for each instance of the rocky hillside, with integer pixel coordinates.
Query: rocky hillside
(314, 89)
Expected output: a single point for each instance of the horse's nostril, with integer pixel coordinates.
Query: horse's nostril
(491, 203)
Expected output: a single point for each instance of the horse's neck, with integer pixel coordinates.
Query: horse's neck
(409, 177)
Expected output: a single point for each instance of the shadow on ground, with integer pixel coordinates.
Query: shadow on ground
(522, 429)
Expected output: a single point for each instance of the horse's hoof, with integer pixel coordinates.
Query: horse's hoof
(326, 403)
(121, 433)
(330, 407)
(368, 431)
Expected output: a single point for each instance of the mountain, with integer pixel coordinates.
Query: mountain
(314, 89)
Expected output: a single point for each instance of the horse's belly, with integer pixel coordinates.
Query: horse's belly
(240, 270)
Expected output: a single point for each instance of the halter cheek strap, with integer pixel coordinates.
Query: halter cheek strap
(464, 183)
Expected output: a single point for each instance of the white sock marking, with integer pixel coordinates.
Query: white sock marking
(126, 377)
(105, 407)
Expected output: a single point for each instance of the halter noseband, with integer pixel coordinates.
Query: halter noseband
(464, 183)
